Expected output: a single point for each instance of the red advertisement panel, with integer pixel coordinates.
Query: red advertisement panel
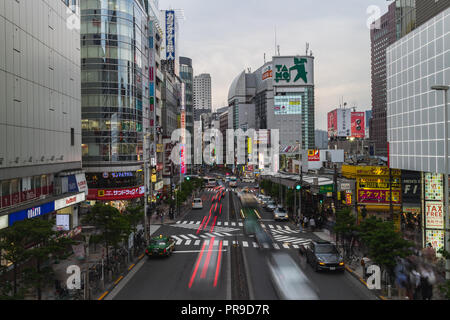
(358, 125)
(313, 155)
(116, 194)
(332, 123)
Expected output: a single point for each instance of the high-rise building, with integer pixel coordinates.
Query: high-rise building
(187, 76)
(416, 124)
(40, 113)
(115, 94)
(202, 92)
(380, 38)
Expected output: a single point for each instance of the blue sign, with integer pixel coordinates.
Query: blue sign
(72, 184)
(121, 174)
(170, 35)
(31, 213)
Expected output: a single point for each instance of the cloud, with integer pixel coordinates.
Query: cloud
(225, 37)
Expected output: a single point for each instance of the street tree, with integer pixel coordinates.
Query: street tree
(345, 227)
(114, 228)
(46, 243)
(383, 242)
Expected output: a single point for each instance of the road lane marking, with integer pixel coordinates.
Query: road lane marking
(245, 244)
(197, 242)
(270, 226)
(233, 224)
(279, 227)
(193, 236)
(285, 246)
(103, 295)
(118, 280)
(188, 242)
(226, 223)
(192, 222)
(184, 237)
(225, 243)
(255, 245)
(276, 246)
(176, 238)
(203, 236)
(295, 246)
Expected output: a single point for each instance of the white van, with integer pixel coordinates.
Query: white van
(197, 203)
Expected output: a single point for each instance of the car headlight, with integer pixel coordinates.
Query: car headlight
(341, 263)
(322, 263)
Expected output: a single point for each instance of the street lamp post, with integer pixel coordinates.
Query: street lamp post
(447, 222)
(146, 186)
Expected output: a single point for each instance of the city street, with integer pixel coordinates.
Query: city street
(207, 263)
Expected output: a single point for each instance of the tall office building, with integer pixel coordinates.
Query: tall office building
(114, 88)
(202, 94)
(380, 39)
(40, 114)
(187, 76)
(415, 63)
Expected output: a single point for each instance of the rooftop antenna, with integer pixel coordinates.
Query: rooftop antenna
(264, 58)
(278, 50)
(307, 48)
(275, 40)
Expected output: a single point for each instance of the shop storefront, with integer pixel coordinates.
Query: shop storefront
(411, 217)
(374, 193)
(118, 198)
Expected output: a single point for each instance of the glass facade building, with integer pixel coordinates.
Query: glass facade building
(416, 62)
(114, 83)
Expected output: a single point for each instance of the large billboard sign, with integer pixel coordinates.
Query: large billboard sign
(170, 35)
(288, 104)
(358, 127)
(434, 186)
(293, 70)
(411, 187)
(332, 123)
(343, 122)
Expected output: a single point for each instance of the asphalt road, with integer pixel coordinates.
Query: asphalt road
(215, 260)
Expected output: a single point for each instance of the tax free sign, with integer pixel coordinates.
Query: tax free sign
(293, 70)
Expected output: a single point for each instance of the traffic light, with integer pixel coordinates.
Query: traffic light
(298, 187)
(188, 178)
(321, 201)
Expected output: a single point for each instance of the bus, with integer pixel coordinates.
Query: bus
(209, 182)
(233, 181)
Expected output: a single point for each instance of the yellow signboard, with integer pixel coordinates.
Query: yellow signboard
(159, 148)
(154, 178)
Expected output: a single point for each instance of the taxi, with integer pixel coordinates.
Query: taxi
(160, 246)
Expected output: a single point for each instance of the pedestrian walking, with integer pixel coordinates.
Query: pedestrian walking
(305, 222)
(401, 280)
(312, 224)
(427, 280)
(429, 253)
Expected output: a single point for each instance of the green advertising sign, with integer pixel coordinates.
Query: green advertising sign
(326, 188)
(283, 73)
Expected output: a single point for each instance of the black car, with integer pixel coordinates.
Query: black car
(323, 255)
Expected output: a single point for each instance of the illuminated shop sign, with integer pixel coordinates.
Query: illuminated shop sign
(433, 186)
(116, 194)
(122, 174)
(434, 215)
(31, 212)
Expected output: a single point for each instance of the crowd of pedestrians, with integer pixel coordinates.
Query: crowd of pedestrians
(414, 275)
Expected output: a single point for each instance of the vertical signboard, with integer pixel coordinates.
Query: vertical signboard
(170, 35)
(434, 219)
(358, 127)
(332, 123)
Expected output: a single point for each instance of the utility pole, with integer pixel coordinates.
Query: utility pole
(146, 182)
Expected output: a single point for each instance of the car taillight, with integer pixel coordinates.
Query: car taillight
(164, 250)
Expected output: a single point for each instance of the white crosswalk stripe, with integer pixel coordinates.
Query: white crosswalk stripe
(270, 226)
(233, 224)
(193, 236)
(226, 223)
(218, 234)
(192, 222)
(198, 222)
(219, 223)
(245, 244)
(240, 224)
(279, 227)
(276, 246)
(176, 238)
(204, 237)
(225, 243)
(266, 246)
(285, 246)
(255, 245)
(179, 242)
(287, 228)
(184, 237)
(188, 242)
(197, 242)
(295, 246)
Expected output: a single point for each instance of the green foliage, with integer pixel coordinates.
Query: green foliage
(383, 242)
(114, 227)
(42, 242)
(345, 223)
(134, 215)
(444, 289)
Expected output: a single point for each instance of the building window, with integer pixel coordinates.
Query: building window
(72, 137)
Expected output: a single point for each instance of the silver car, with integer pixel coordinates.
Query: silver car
(280, 214)
(288, 279)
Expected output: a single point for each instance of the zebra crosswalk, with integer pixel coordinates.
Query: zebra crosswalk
(246, 244)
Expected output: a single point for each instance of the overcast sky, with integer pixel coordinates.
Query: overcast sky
(225, 37)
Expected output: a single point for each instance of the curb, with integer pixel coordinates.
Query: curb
(353, 273)
(121, 277)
